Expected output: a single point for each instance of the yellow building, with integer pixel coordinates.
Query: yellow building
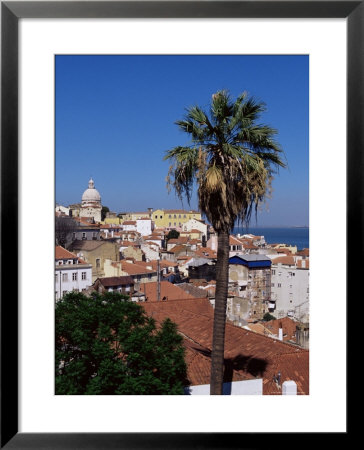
(173, 218)
(112, 220)
(135, 215)
(96, 253)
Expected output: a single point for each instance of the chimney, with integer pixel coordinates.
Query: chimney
(280, 332)
(289, 388)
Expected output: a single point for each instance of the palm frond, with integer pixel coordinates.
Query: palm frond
(232, 157)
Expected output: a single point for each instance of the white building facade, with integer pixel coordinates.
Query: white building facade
(290, 289)
(71, 273)
(194, 224)
(144, 226)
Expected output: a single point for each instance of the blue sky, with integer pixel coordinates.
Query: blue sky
(115, 119)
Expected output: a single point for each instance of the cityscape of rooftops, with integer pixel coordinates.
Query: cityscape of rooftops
(152, 294)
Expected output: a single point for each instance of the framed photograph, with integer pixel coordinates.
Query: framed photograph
(37, 41)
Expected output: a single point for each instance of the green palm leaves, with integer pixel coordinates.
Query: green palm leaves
(231, 156)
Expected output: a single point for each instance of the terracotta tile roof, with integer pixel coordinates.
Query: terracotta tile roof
(115, 281)
(86, 221)
(184, 258)
(178, 248)
(151, 243)
(259, 328)
(179, 240)
(206, 252)
(128, 244)
(134, 269)
(233, 240)
(303, 263)
(287, 260)
(168, 291)
(129, 222)
(286, 251)
(247, 354)
(163, 264)
(250, 246)
(304, 252)
(62, 253)
(286, 323)
(193, 290)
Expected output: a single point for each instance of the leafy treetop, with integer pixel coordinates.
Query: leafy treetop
(106, 344)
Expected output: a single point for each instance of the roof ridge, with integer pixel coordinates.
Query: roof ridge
(270, 339)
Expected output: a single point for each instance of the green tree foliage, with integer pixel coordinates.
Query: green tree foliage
(104, 210)
(106, 344)
(173, 234)
(267, 317)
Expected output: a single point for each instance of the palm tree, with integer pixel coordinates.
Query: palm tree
(232, 158)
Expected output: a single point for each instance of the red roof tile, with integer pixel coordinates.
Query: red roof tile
(287, 260)
(62, 253)
(247, 354)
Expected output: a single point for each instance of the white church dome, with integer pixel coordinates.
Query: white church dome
(91, 194)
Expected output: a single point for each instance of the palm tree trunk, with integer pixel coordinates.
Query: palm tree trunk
(218, 340)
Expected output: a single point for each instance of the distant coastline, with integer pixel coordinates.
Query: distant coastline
(290, 235)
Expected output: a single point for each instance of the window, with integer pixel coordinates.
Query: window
(272, 284)
(83, 275)
(64, 276)
(273, 272)
(279, 285)
(98, 263)
(74, 276)
(156, 217)
(169, 216)
(56, 277)
(64, 293)
(170, 224)
(174, 216)
(184, 216)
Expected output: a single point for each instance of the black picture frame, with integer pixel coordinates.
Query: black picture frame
(11, 12)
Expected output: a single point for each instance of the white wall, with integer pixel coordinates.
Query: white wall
(144, 227)
(150, 253)
(194, 224)
(294, 290)
(60, 285)
(247, 387)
